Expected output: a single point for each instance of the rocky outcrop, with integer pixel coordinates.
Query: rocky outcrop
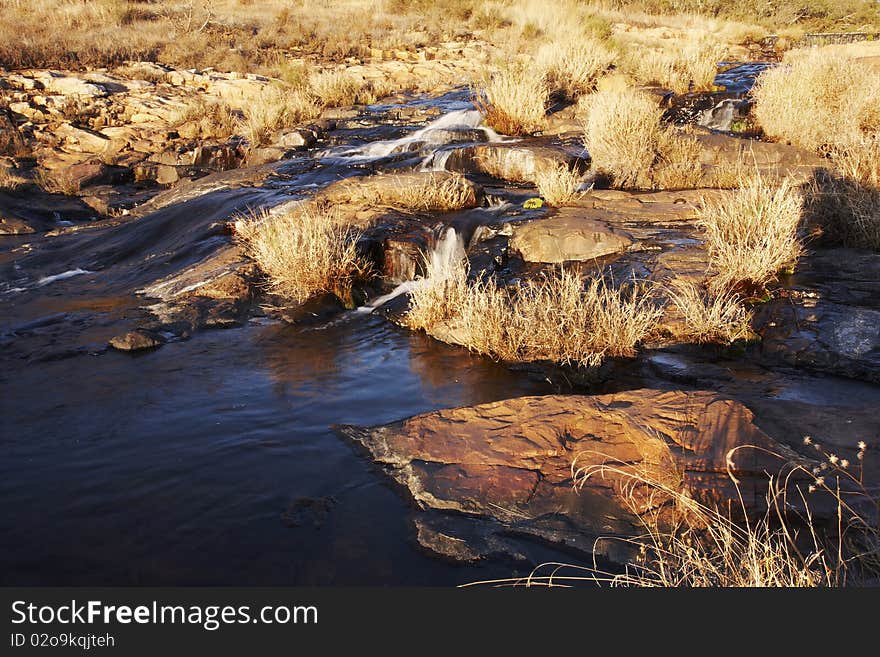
(514, 161)
(514, 463)
(568, 234)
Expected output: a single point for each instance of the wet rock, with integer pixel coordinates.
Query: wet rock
(296, 138)
(136, 341)
(13, 226)
(827, 317)
(512, 461)
(308, 511)
(568, 234)
(726, 153)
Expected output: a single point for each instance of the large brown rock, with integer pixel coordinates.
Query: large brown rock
(569, 234)
(515, 161)
(512, 461)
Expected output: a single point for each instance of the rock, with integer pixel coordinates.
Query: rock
(827, 316)
(167, 174)
(517, 161)
(81, 140)
(267, 155)
(512, 461)
(297, 138)
(567, 235)
(13, 226)
(88, 174)
(136, 341)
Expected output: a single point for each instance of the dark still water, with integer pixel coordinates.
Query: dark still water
(212, 461)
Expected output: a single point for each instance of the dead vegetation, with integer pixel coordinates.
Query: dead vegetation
(304, 252)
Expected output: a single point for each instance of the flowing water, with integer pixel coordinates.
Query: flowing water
(213, 460)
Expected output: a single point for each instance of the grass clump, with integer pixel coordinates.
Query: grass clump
(817, 100)
(208, 119)
(304, 252)
(558, 317)
(514, 100)
(573, 66)
(276, 108)
(628, 141)
(558, 185)
(690, 68)
(430, 193)
(752, 235)
(705, 317)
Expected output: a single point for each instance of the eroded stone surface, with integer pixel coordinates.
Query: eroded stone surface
(512, 461)
(566, 235)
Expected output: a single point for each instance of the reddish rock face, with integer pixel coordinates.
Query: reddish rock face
(516, 461)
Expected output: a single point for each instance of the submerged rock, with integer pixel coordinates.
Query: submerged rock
(136, 341)
(514, 463)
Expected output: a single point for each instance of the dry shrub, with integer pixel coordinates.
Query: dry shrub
(753, 235)
(515, 99)
(556, 317)
(304, 252)
(572, 66)
(817, 100)
(627, 140)
(845, 203)
(276, 108)
(707, 317)
(558, 185)
(504, 164)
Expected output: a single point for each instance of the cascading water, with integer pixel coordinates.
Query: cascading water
(441, 264)
(456, 126)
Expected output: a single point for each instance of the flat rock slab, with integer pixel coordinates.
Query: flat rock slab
(568, 235)
(511, 462)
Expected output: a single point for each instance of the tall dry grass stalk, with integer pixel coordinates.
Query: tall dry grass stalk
(558, 185)
(304, 252)
(211, 119)
(515, 99)
(706, 317)
(627, 140)
(753, 235)
(558, 317)
(692, 67)
(335, 88)
(816, 100)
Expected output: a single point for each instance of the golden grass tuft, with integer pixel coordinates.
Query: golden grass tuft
(276, 108)
(627, 140)
(574, 64)
(430, 193)
(304, 252)
(514, 100)
(705, 317)
(212, 119)
(816, 100)
(335, 88)
(557, 317)
(558, 185)
(692, 67)
(753, 235)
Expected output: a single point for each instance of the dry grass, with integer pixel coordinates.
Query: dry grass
(706, 317)
(274, 109)
(573, 65)
(558, 317)
(304, 252)
(691, 67)
(558, 185)
(816, 100)
(627, 140)
(335, 88)
(208, 119)
(515, 99)
(430, 193)
(845, 203)
(685, 543)
(753, 235)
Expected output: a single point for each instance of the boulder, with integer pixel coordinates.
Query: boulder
(567, 235)
(513, 161)
(515, 462)
(136, 341)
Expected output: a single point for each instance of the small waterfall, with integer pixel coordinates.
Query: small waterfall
(446, 129)
(442, 263)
